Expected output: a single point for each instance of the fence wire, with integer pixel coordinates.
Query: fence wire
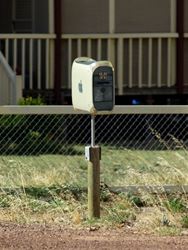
(136, 148)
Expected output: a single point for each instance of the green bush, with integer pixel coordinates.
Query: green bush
(31, 101)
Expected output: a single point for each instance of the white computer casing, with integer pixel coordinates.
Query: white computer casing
(83, 83)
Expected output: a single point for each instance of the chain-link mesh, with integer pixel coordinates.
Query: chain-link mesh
(136, 149)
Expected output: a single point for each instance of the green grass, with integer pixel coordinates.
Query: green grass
(42, 170)
(126, 167)
(52, 189)
(119, 167)
(184, 221)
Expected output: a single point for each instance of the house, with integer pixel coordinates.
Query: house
(146, 40)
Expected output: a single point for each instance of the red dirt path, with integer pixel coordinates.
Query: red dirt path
(39, 237)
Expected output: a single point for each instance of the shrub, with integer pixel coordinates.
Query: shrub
(31, 101)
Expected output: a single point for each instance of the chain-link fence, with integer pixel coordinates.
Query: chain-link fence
(140, 145)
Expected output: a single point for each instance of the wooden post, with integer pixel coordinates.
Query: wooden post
(58, 50)
(94, 183)
(180, 47)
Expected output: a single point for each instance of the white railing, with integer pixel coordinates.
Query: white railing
(8, 89)
(140, 60)
(32, 55)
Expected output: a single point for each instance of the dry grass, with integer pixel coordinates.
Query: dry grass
(51, 189)
(67, 206)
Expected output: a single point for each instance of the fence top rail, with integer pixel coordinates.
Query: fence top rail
(91, 35)
(27, 36)
(120, 35)
(60, 110)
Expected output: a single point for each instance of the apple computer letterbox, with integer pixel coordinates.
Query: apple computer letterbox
(92, 85)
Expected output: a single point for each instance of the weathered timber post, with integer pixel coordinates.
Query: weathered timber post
(94, 175)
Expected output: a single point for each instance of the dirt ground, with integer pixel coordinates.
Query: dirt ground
(45, 237)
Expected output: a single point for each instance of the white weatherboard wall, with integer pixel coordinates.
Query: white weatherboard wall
(4, 87)
(10, 84)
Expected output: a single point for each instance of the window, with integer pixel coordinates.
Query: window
(22, 16)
